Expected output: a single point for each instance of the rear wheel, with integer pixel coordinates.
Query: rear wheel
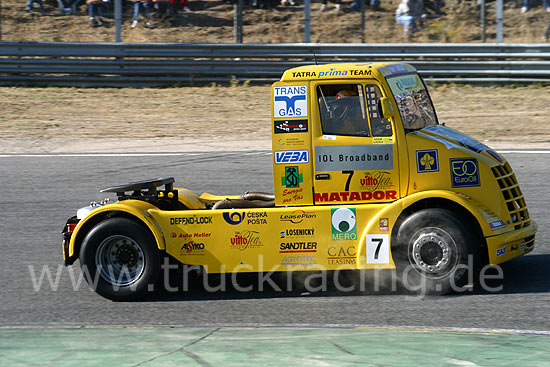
(120, 259)
(434, 252)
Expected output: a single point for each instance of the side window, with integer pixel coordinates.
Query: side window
(379, 125)
(342, 109)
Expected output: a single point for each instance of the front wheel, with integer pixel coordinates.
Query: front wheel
(120, 259)
(434, 253)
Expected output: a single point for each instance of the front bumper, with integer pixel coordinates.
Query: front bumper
(509, 245)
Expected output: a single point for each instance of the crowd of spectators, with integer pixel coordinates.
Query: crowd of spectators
(545, 3)
(97, 8)
(411, 14)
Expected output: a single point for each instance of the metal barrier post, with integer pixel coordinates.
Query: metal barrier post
(362, 21)
(307, 4)
(118, 20)
(499, 20)
(238, 21)
(482, 5)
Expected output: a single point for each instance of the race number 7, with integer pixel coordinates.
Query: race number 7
(378, 248)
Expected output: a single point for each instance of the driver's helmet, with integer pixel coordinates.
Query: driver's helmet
(344, 93)
(345, 104)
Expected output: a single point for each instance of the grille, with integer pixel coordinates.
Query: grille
(512, 195)
(529, 242)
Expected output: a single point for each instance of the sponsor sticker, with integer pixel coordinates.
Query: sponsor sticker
(376, 180)
(427, 161)
(291, 247)
(360, 72)
(354, 157)
(192, 248)
(297, 216)
(378, 195)
(303, 74)
(496, 224)
(341, 255)
(382, 140)
(233, 218)
(290, 101)
(404, 83)
(290, 126)
(332, 73)
(292, 195)
(384, 224)
(187, 236)
(303, 261)
(245, 217)
(298, 232)
(464, 172)
(291, 156)
(396, 69)
(290, 142)
(191, 220)
(343, 224)
(245, 239)
(293, 177)
(501, 251)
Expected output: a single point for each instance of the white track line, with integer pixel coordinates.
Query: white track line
(297, 326)
(38, 155)
(524, 151)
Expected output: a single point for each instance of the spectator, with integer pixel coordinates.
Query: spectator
(288, 2)
(67, 7)
(162, 7)
(95, 7)
(545, 3)
(260, 4)
(147, 7)
(356, 4)
(337, 2)
(408, 13)
(183, 4)
(30, 2)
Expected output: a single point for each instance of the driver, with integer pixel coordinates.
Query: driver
(345, 104)
(347, 114)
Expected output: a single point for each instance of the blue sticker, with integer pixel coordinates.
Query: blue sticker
(496, 224)
(464, 172)
(426, 161)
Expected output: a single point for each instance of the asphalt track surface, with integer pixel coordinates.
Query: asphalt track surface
(38, 193)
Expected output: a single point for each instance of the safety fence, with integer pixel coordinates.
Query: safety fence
(146, 64)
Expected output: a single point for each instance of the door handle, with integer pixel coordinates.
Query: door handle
(322, 176)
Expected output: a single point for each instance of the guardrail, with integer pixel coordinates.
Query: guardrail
(158, 64)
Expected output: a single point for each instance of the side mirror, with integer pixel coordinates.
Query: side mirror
(387, 108)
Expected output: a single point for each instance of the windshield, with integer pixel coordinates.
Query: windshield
(413, 101)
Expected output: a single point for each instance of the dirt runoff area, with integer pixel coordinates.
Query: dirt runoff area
(230, 118)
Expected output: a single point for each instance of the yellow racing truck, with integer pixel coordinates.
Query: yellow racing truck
(364, 176)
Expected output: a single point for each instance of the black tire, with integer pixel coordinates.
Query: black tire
(431, 251)
(120, 259)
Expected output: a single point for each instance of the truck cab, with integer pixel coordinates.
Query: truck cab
(348, 134)
(365, 177)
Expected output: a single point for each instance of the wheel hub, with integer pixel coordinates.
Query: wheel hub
(431, 252)
(120, 260)
(126, 255)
